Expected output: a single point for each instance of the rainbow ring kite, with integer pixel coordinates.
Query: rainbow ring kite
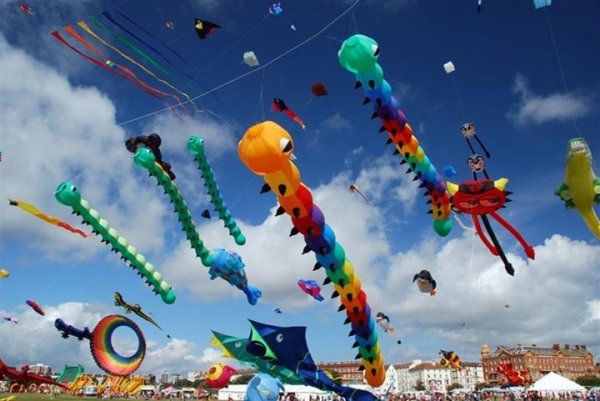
(104, 353)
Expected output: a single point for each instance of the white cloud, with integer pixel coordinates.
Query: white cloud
(336, 123)
(539, 109)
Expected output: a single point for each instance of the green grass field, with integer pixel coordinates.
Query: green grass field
(46, 397)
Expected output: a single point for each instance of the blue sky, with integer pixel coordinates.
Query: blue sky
(62, 120)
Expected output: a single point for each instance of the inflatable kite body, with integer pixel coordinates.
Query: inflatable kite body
(541, 3)
(235, 347)
(101, 344)
(384, 322)
(170, 25)
(450, 360)
(68, 194)
(266, 149)
(250, 59)
(218, 375)
(279, 106)
(137, 309)
(26, 8)
(311, 288)
(22, 376)
(359, 55)
(479, 198)
(514, 378)
(286, 347)
(318, 89)
(425, 282)
(263, 387)
(36, 307)
(221, 263)
(4, 273)
(581, 188)
(152, 142)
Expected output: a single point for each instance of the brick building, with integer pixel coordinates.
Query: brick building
(347, 370)
(571, 361)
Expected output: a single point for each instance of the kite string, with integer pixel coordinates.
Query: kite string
(559, 63)
(294, 48)
(468, 313)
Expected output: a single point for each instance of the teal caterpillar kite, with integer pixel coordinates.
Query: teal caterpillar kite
(266, 149)
(359, 55)
(221, 263)
(69, 195)
(196, 147)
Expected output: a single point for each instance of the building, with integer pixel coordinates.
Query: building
(40, 369)
(571, 361)
(164, 377)
(469, 376)
(436, 377)
(174, 378)
(193, 376)
(348, 371)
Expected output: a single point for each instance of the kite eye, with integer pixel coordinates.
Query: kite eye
(286, 146)
(73, 188)
(279, 337)
(238, 344)
(376, 50)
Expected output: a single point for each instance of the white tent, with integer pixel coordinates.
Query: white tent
(555, 382)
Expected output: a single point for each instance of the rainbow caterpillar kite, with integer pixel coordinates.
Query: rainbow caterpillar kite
(266, 149)
(68, 194)
(196, 148)
(359, 55)
(222, 263)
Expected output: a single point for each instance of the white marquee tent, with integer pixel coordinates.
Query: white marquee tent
(555, 382)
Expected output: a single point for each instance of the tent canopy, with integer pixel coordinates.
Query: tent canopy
(555, 382)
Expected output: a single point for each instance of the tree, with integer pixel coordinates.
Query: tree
(420, 386)
(588, 380)
(480, 386)
(182, 383)
(242, 379)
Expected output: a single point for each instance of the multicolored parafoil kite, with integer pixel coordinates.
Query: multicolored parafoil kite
(581, 187)
(218, 375)
(36, 307)
(359, 55)
(513, 377)
(541, 3)
(205, 28)
(275, 8)
(311, 288)
(26, 8)
(31, 209)
(266, 149)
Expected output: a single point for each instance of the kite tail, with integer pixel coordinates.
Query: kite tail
(68, 194)
(359, 55)
(196, 147)
(283, 178)
(145, 158)
(591, 220)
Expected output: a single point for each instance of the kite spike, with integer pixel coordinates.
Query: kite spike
(374, 115)
(396, 151)
(347, 321)
(280, 211)
(382, 129)
(409, 170)
(341, 308)
(352, 333)
(372, 84)
(361, 368)
(415, 178)
(357, 84)
(265, 188)
(428, 202)
(293, 231)
(508, 193)
(335, 294)
(389, 141)
(366, 100)
(326, 281)
(430, 211)
(306, 250)
(355, 345)
(402, 161)
(317, 266)
(357, 356)
(422, 185)
(508, 200)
